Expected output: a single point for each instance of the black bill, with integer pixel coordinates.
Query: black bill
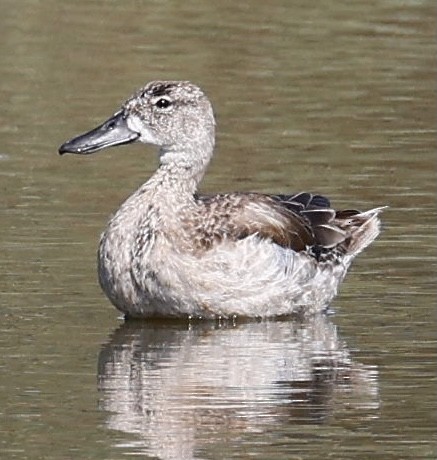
(113, 131)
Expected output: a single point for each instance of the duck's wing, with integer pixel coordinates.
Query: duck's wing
(296, 221)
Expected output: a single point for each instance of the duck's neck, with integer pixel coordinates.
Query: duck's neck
(180, 170)
(168, 194)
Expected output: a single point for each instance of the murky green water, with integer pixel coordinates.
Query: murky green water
(337, 98)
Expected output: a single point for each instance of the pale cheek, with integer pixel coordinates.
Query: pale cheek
(148, 138)
(146, 135)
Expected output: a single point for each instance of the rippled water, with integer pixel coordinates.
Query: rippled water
(338, 99)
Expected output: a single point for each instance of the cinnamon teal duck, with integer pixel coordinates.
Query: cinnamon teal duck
(171, 252)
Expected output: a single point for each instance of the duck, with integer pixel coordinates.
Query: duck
(172, 252)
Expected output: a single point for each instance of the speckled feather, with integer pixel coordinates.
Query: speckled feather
(169, 251)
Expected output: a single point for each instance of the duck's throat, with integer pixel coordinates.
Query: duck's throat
(180, 171)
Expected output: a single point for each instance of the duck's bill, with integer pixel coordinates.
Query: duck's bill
(113, 131)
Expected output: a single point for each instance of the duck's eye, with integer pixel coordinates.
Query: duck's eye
(163, 103)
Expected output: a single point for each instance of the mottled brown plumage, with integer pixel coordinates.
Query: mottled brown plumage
(296, 222)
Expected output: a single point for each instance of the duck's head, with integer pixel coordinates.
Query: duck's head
(174, 115)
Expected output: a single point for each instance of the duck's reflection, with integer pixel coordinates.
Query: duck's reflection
(182, 386)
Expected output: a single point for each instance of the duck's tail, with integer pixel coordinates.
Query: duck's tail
(362, 228)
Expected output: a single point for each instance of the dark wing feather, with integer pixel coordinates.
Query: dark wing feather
(305, 200)
(321, 218)
(295, 221)
(239, 215)
(302, 222)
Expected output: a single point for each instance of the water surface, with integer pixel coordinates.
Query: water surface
(337, 99)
